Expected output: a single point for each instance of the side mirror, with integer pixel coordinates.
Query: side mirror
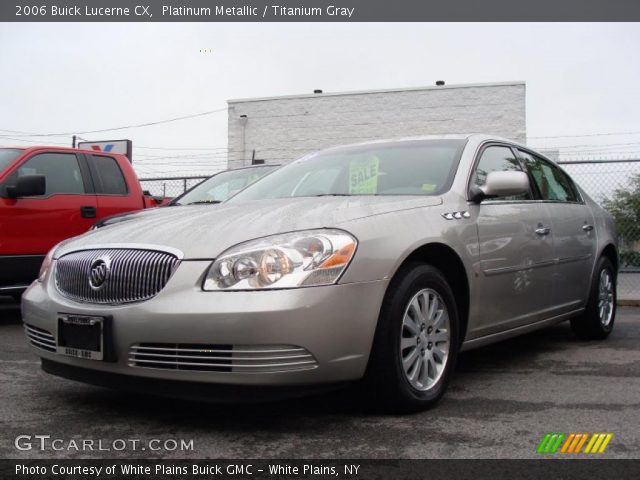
(28, 186)
(501, 184)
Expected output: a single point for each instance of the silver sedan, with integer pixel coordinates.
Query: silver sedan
(376, 262)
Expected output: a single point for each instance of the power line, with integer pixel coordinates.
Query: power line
(139, 125)
(588, 135)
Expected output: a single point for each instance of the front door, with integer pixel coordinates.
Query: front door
(32, 225)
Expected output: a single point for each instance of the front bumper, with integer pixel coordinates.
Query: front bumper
(335, 324)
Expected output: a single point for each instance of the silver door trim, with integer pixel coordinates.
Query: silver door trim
(517, 268)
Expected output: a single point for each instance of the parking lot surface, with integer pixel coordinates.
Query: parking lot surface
(501, 402)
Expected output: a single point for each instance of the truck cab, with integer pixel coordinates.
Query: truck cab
(49, 194)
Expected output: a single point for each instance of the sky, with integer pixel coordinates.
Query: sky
(582, 79)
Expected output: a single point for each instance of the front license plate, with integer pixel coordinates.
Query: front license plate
(81, 336)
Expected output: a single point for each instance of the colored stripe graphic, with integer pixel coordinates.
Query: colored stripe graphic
(581, 443)
(551, 442)
(543, 443)
(572, 443)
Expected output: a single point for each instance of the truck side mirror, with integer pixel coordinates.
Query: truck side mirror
(28, 186)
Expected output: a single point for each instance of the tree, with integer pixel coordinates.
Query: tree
(624, 207)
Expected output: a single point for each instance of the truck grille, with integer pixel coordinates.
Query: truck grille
(114, 275)
(221, 358)
(40, 338)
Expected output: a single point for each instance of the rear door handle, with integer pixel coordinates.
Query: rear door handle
(587, 228)
(543, 231)
(88, 212)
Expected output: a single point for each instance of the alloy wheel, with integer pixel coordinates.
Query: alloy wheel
(605, 298)
(424, 339)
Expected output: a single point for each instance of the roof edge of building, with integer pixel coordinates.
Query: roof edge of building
(384, 90)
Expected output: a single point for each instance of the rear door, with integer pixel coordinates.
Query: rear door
(572, 225)
(32, 225)
(112, 191)
(515, 250)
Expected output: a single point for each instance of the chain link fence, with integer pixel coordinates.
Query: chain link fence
(614, 184)
(169, 186)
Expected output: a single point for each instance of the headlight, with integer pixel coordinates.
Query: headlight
(46, 264)
(299, 259)
(48, 259)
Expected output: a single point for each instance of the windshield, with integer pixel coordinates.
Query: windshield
(8, 155)
(221, 186)
(420, 167)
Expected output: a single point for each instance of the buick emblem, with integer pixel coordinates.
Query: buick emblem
(99, 272)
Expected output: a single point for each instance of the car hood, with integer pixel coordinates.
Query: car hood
(205, 231)
(125, 217)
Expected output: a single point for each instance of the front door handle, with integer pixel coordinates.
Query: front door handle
(88, 212)
(543, 231)
(587, 228)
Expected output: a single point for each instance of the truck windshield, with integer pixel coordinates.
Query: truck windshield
(412, 167)
(223, 185)
(8, 155)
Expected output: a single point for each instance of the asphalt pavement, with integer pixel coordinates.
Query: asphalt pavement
(502, 401)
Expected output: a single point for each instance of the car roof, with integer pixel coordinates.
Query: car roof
(479, 137)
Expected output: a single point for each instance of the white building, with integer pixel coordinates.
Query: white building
(282, 128)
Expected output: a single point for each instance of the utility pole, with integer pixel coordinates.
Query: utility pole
(73, 141)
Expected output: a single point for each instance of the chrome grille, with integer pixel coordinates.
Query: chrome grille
(134, 275)
(40, 338)
(221, 358)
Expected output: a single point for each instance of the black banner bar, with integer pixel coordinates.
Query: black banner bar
(319, 10)
(320, 469)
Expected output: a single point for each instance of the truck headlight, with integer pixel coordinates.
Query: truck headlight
(298, 259)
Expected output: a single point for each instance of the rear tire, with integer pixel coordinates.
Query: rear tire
(416, 341)
(596, 322)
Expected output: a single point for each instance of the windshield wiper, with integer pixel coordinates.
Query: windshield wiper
(202, 202)
(332, 195)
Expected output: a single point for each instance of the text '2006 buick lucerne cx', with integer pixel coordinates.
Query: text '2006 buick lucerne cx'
(376, 262)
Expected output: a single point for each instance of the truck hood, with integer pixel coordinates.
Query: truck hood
(205, 231)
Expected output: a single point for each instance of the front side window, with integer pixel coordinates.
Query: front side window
(61, 171)
(108, 177)
(553, 184)
(498, 159)
(8, 155)
(420, 167)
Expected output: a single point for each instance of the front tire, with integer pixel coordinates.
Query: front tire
(596, 323)
(416, 341)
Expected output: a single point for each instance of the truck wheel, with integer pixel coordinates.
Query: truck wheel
(416, 341)
(596, 323)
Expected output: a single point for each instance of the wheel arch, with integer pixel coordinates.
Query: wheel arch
(611, 252)
(450, 264)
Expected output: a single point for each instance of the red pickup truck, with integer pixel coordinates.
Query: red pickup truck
(48, 194)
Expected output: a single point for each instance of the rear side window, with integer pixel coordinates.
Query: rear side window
(553, 184)
(497, 159)
(61, 170)
(107, 176)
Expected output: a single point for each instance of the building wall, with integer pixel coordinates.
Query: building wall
(283, 128)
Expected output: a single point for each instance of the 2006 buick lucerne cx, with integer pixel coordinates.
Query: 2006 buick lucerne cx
(377, 261)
